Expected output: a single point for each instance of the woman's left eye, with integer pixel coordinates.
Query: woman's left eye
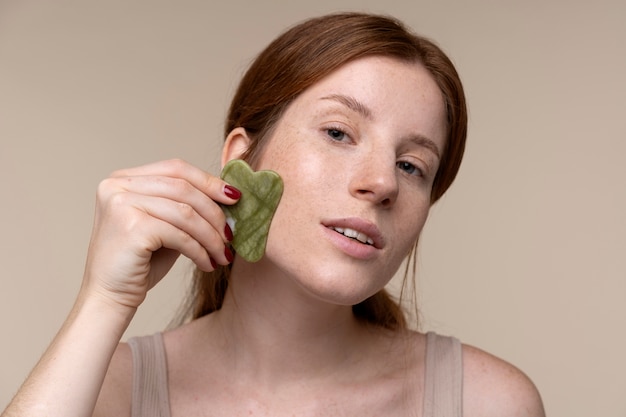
(336, 134)
(409, 168)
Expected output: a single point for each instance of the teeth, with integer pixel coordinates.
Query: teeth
(361, 237)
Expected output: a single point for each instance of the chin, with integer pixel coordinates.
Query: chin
(345, 287)
(328, 276)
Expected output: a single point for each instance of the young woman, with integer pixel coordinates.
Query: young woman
(366, 124)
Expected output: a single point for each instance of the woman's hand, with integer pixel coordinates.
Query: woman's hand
(145, 218)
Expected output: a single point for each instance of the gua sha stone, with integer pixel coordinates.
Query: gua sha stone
(250, 217)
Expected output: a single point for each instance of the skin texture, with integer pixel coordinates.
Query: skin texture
(283, 367)
(361, 145)
(328, 180)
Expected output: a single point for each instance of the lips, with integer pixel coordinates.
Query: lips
(354, 234)
(359, 229)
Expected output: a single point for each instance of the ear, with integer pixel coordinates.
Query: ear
(237, 142)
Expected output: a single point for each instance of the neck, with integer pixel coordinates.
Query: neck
(276, 332)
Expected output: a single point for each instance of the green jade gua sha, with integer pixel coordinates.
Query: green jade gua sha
(250, 217)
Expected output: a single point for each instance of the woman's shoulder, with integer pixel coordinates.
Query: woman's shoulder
(494, 387)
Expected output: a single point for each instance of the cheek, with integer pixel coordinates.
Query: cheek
(304, 175)
(304, 169)
(304, 194)
(410, 225)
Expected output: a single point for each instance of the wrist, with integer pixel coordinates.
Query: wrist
(101, 310)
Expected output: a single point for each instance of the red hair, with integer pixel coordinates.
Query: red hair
(296, 60)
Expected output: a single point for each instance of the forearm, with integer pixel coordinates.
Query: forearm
(68, 378)
(145, 218)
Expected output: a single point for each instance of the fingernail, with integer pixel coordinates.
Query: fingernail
(213, 263)
(232, 192)
(228, 233)
(228, 254)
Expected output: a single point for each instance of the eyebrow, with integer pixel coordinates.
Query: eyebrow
(423, 141)
(351, 103)
(360, 108)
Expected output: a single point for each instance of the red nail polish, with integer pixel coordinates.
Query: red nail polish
(228, 254)
(232, 192)
(228, 233)
(213, 263)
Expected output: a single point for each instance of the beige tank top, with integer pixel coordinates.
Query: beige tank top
(443, 379)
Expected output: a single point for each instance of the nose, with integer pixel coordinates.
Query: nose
(374, 179)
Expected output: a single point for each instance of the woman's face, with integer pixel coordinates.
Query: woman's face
(358, 152)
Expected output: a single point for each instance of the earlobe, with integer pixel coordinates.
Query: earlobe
(236, 144)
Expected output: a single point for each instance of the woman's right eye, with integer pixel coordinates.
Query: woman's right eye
(335, 134)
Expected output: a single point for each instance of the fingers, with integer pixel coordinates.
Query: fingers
(183, 198)
(179, 226)
(214, 187)
(181, 182)
(145, 218)
(159, 235)
(170, 192)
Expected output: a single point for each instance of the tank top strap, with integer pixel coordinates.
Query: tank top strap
(443, 377)
(150, 395)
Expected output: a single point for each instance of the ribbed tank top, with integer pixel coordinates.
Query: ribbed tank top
(443, 378)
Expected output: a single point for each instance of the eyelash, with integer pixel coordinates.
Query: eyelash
(415, 170)
(331, 130)
(405, 166)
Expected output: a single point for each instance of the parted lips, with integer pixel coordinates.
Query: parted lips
(250, 217)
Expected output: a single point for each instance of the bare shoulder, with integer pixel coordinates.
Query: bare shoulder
(494, 387)
(115, 396)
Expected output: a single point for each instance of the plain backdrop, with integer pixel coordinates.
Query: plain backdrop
(524, 257)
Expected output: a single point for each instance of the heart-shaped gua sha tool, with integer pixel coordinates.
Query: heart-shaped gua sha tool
(250, 217)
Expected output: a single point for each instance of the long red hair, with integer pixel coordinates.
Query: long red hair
(296, 60)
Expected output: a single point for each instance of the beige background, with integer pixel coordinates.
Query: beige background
(524, 257)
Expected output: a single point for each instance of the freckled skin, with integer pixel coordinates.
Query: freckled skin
(326, 179)
(358, 150)
(286, 337)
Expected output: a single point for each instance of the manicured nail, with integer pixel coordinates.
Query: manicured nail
(232, 192)
(228, 233)
(213, 263)
(228, 254)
